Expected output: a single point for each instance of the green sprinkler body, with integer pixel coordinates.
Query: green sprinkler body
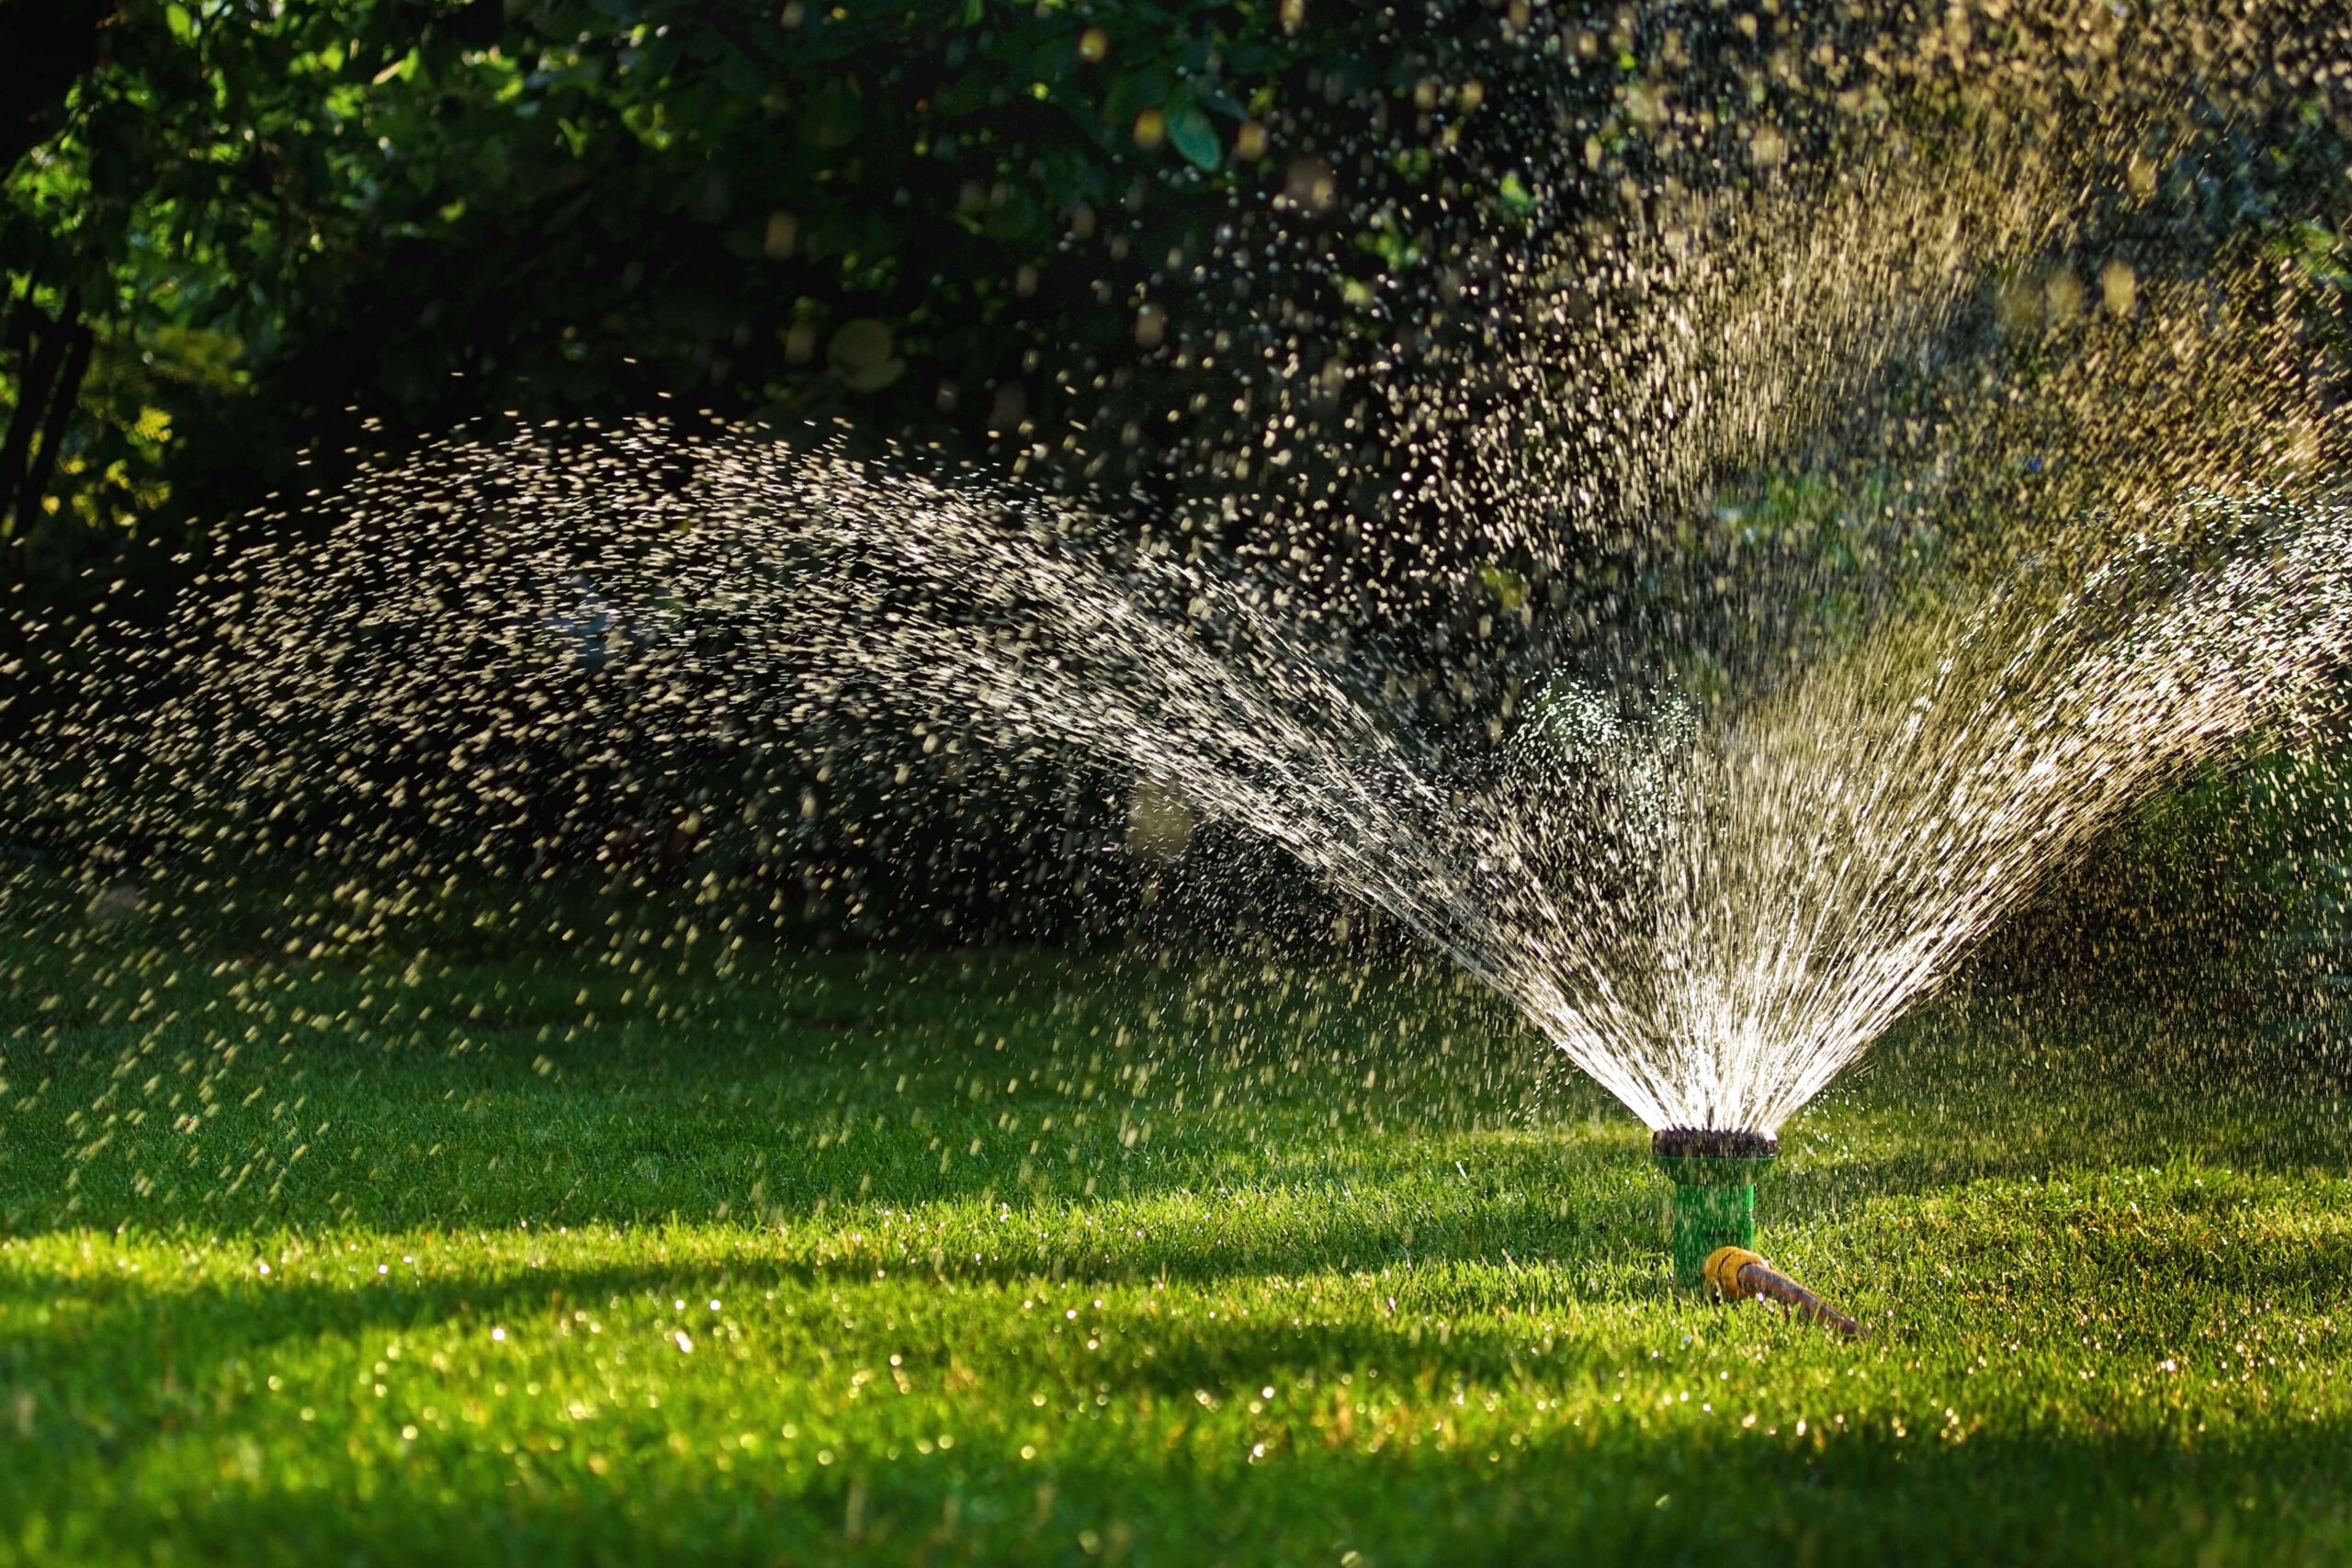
(1714, 1174)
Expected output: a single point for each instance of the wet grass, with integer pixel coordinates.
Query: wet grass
(1018, 1260)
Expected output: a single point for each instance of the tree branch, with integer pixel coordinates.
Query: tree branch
(62, 399)
(33, 394)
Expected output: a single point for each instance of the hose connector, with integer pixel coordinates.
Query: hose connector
(1735, 1274)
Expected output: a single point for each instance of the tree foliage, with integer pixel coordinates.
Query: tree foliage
(346, 220)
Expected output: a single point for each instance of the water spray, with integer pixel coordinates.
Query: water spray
(1714, 1174)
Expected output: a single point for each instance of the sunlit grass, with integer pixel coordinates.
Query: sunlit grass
(1020, 1260)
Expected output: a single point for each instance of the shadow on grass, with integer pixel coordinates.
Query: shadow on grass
(2093, 1129)
(350, 1138)
(2269, 1494)
(1458, 1307)
(951, 1081)
(142, 1325)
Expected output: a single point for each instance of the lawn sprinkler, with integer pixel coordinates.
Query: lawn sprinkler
(1714, 1174)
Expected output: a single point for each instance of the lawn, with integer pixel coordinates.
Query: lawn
(1017, 1258)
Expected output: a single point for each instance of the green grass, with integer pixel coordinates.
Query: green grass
(1018, 1260)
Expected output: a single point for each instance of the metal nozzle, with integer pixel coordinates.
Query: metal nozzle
(1711, 1143)
(1735, 1274)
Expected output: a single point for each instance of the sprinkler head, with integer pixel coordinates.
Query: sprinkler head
(1713, 1171)
(1711, 1143)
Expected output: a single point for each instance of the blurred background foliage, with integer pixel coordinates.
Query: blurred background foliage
(262, 228)
(235, 232)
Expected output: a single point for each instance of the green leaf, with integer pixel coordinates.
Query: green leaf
(1508, 587)
(860, 354)
(833, 118)
(1193, 135)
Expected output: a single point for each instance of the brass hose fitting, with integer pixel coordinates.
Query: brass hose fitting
(1735, 1274)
